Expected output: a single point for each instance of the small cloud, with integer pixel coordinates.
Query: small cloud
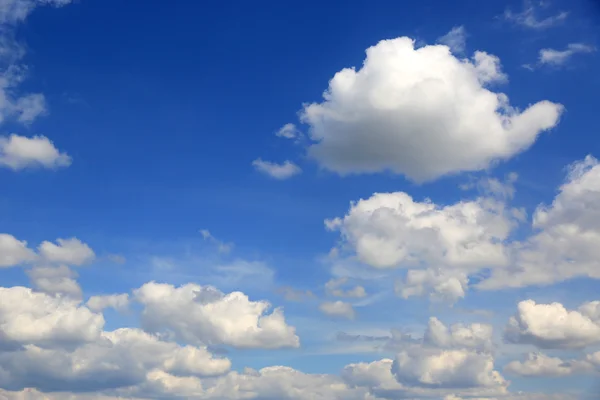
(528, 18)
(288, 131)
(20, 152)
(559, 58)
(222, 247)
(456, 39)
(333, 288)
(338, 309)
(276, 171)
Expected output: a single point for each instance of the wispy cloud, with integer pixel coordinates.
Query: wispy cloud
(529, 17)
(277, 171)
(561, 57)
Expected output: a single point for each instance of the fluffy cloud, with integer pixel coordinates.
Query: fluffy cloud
(420, 113)
(68, 251)
(38, 319)
(538, 364)
(552, 326)
(277, 171)
(560, 57)
(338, 309)
(59, 280)
(116, 359)
(19, 152)
(117, 301)
(389, 230)
(475, 336)
(204, 315)
(14, 252)
(566, 240)
(447, 368)
(441, 285)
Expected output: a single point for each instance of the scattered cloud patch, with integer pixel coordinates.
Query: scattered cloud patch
(67, 251)
(277, 171)
(456, 39)
(529, 18)
(559, 58)
(288, 131)
(338, 309)
(20, 152)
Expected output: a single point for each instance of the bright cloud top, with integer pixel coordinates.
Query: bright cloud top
(420, 113)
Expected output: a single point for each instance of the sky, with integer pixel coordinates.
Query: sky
(299, 200)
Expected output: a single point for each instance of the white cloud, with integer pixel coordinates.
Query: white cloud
(68, 251)
(14, 252)
(13, 11)
(204, 315)
(277, 171)
(446, 368)
(475, 336)
(29, 317)
(538, 364)
(338, 309)
(333, 288)
(391, 229)
(560, 57)
(566, 240)
(528, 18)
(551, 326)
(420, 113)
(59, 280)
(19, 152)
(291, 294)
(119, 302)
(288, 131)
(441, 285)
(456, 39)
(120, 358)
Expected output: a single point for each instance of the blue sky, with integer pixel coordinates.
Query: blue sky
(163, 158)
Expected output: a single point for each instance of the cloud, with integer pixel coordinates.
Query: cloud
(222, 247)
(552, 326)
(39, 319)
(288, 131)
(119, 302)
(389, 230)
(13, 11)
(566, 240)
(560, 57)
(14, 252)
(475, 336)
(528, 18)
(456, 39)
(68, 251)
(420, 113)
(447, 368)
(446, 286)
(277, 171)
(55, 281)
(333, 289)
(204, 315)
(20, 152)
(338, 309)
(538, 364)
(120, 358)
